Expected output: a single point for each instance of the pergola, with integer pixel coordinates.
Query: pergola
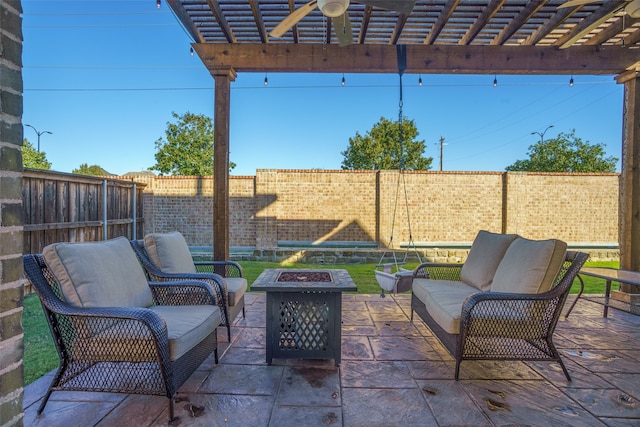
(440, 37)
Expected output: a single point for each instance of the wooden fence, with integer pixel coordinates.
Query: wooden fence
(61, 207)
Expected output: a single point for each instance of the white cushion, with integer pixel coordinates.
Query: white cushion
(99, 274)
(169, 252)
(484, 256)
(443, 300)
(236, 287)
(529, 266)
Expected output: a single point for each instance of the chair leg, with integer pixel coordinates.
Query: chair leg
(229, 331)
(244, 315)
(171, 409)
(564, 369)
(45, 399)
(457, 374)
(215, 355)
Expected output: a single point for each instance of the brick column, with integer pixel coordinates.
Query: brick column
(11, 215)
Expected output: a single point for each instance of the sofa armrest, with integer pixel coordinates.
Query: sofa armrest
(230, 268)
(185, 292)
(438, 271)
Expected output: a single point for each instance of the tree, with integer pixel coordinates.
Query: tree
(32, 158)
(380, 148)
(188, 149)
(565, 153)
(93, 170)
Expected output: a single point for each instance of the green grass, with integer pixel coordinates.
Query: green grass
(40, 355)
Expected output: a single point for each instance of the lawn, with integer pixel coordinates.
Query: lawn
(40, 355)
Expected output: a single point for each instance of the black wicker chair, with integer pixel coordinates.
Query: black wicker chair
(208, 271)
(487, 328)
(131, 353)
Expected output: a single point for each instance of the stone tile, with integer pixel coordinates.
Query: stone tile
(356, 348)
(66, 413)
(442, 396)
(607, 402)
(251, 338)
(580, 377)
(245, 356)
(359, 330)
(296, 416)
(497, 370)
(138, 410)
(34, 392)
(397, 329)
(629, 383)
(596, 360)
(308, 386)
(352, 305)
(430, 370)
(243, 379)
(376, 374)
(356, 318)
(520, 402)
(207, 410)
(386, 407)
(403, 348)
(620, 422)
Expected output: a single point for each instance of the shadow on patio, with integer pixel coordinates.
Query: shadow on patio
(393, 372)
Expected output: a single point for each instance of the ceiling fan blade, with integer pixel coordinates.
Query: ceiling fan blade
(342, 27)
(403, 6)
(293, 18)
(574, 3)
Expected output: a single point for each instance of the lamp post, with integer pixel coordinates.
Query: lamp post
(542, 133)
(39, 133)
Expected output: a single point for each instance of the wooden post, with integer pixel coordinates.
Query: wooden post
(629, 206)
(221, 116)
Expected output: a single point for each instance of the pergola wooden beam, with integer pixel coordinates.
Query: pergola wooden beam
(608, 9)
(423, 59)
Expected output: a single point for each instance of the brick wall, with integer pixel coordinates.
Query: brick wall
(11, 219)
(280, 207)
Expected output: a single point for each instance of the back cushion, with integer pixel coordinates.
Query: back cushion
(169, 252)
(485, 254)
(99, 274)
(529, 266)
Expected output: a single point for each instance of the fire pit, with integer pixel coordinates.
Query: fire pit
(305, 276)
(304, 312)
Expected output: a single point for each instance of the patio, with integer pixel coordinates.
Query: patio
(392, 373)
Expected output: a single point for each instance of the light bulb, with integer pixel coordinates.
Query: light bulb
(266, 80)
(571, 82)
(158, 4)
(420, 81)
(343, 80)
(495, 81)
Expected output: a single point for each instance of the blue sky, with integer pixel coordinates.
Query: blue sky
(105, 76)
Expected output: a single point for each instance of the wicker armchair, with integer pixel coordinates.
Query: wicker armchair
(231, 291)
(500, 325)
(127, 349)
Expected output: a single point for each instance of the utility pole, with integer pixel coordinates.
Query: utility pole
(441, 145)
(39, 134)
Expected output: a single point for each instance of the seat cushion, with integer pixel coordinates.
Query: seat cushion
(529, 266)
(484, 256)
(443, 300)
(236, 286)
(187, 326)
(99, 274)
(169, 252)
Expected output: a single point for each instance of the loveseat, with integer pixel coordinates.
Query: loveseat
(502, 303)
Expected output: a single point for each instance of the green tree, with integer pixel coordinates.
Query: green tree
(380, 148)
(565, 153)
(188, 149)
(32, 158)
(94, 170)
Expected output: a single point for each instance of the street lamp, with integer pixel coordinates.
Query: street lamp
(542, 133)
(39, 133)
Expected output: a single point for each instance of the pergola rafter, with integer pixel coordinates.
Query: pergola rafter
(441, 36)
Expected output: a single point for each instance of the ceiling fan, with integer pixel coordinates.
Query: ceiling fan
(337, 11)
(632, 8)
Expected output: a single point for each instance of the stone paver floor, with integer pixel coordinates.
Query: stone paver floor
(393, 372)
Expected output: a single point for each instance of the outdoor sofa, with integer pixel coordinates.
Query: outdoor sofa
(113, 330)
(503, 303)
(166, 256)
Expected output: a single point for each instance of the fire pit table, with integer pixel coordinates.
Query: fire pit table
(304, 312)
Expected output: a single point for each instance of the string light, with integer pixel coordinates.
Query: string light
(495, 81)
(343, 80)
(420, 80)
(191, 50)
(266, 80)
(571, 81)
(158, 4)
